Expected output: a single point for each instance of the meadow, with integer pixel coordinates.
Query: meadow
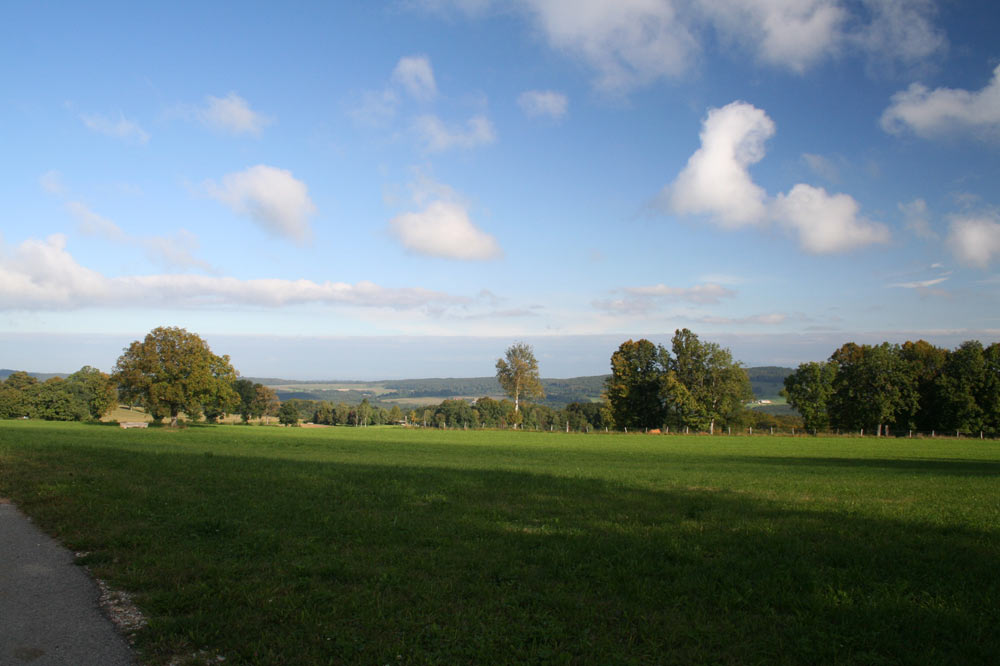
(397, 546)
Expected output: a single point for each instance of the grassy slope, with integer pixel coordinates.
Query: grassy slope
(379, 545)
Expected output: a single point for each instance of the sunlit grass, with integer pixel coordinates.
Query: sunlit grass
(384, 545)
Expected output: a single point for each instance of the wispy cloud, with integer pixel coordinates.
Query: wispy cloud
(416, 76)
(42, 275)
(631, 43)
(175, 251)
(232, 114)
(272, 197)
(549, 103)
(122, 128)
(644, 299)
(438, 137)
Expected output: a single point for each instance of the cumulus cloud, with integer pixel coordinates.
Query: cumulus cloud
(271, 197)
(543, 103)
(630, 43)
(169, 251)
(43, 275)
(788, 33)
(443, 229)
(232, 114)
(643, 299)
(416, 76)
(826, 223)
(932, 113)
(974, 239)
(123, 128)
(438, 137)
(716, 181)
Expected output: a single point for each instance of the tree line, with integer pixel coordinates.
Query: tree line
(891, 388)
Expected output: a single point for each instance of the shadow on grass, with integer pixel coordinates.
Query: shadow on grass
(936, 466)
(277, 561)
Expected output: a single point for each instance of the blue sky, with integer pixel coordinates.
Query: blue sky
(403, 189)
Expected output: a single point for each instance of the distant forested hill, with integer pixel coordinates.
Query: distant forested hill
(40, 376)
(767, 381)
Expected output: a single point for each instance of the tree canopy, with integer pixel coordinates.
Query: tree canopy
(171, 371)
(517, 373)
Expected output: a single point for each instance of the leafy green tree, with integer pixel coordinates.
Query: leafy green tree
(171, 371)
(96, 390)
(873, 386)
(247, 392)
(55, 400)
(960, 388)
(288, 414)
(265, 402)
(517, 373)
(395, 415)
(15, 397)
(633, 391)
(926, 363)
(808, 391)
(717, 388)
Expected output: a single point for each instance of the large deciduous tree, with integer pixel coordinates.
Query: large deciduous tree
(874, 385)
(808, 391)
(634, 389)
(171, 371)
(717, 387)
(96, 390)
(517, 373)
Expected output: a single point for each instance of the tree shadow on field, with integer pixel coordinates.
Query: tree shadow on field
(279, 561)
(936, 466)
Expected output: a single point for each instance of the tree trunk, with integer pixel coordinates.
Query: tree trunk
(711, 427)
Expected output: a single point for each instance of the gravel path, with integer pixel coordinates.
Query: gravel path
(49, 607)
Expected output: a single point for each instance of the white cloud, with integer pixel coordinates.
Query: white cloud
(270, 196)
(631, 43)
(787, 33)
(122, 128)
(826, 223)
(628, 42)
(443, 229)
(716, 181)
(168, 251)
(416, 76)
(438, 137)
(920, 284)
(543, 103)
(901, 30)
(975, 239)
(931, 113)
(232, 114)
(915, 217)
(42, 275)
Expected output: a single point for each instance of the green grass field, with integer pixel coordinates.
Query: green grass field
(392, 546)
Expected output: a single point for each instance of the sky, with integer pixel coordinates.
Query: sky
(375, 190)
